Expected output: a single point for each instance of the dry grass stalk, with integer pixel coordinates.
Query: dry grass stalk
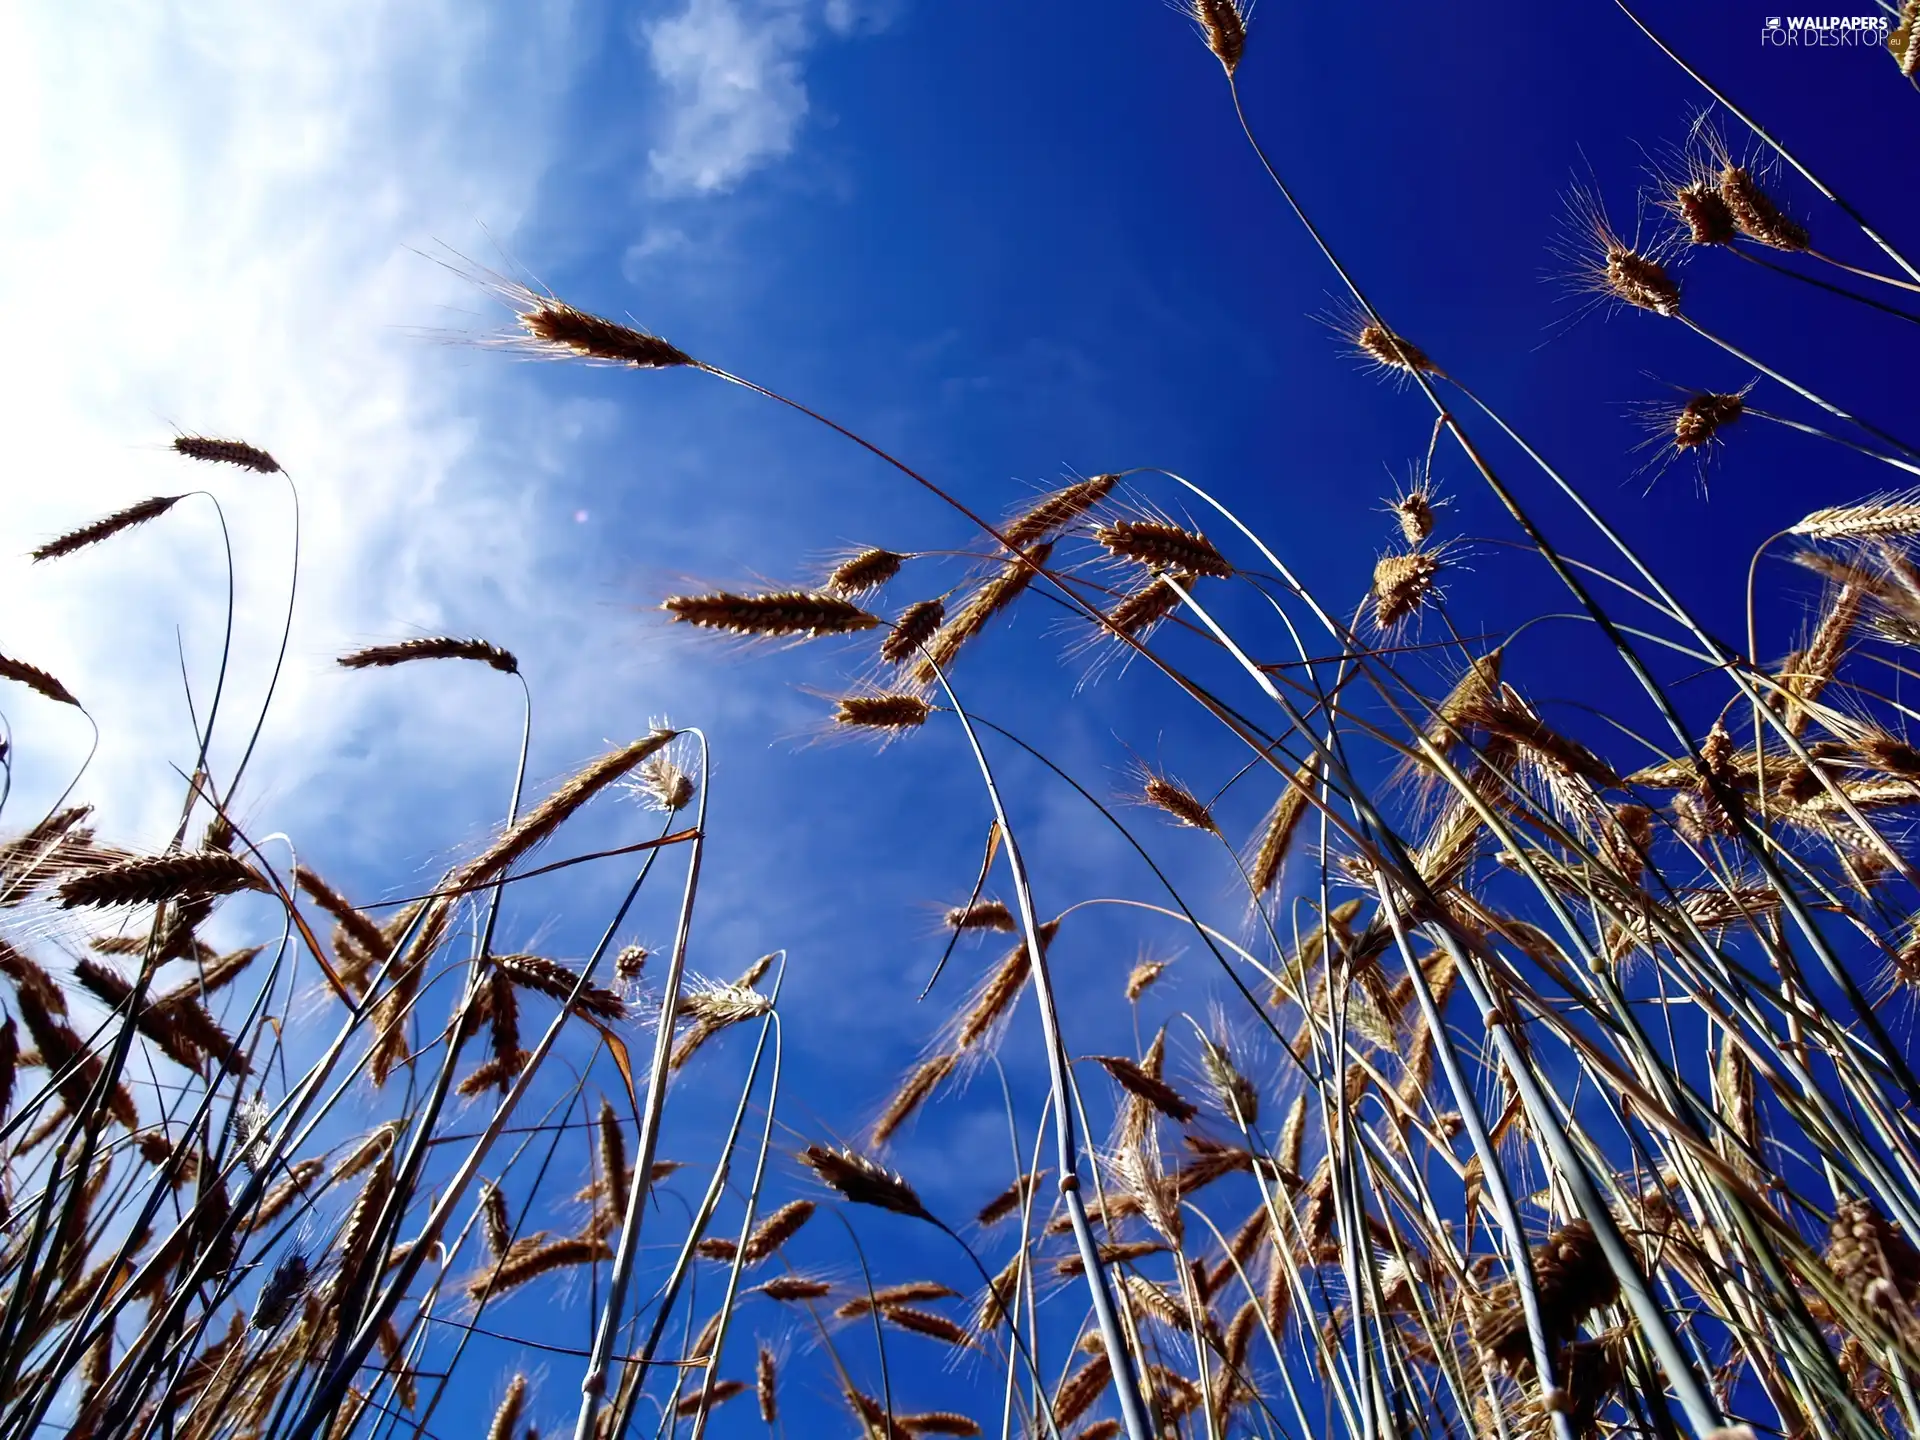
(433, 647)
(226, 452)
(108, 527)
(779, 613)
(557, 326)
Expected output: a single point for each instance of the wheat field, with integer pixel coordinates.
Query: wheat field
(1557, 1078)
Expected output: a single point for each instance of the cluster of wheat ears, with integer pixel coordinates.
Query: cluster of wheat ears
(1579, 1109)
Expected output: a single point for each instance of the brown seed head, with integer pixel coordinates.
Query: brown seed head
(1277, 832)
(778, 1228)
(1080, 1389)
(783, 612)
(1708, 218)
(796, 1287)
(1640, 280)
(563, 329)
(1182, 804)
(1142, 976)
(1755, 213)
(705, 1399)
(914, 1092)
(107, 528)
(863, 1181)
(549, 977)
(1224, 24)
(987, 600)
(1008, 1200)
(914, 628)
(1166, 549)
(1414, 511)
(1137, 613)
(999, 990)
(861, 573)
(433, 647)
(939, 1422)
(1883, 517)
(766, 1378)
(895, 711)
(1156, 1092)
(1903, 40)
(664, 783)
(981, 915)
(151, 880)
(925, 1322)
(1702, 416)
(1053, 512)
(226, 452)
(506, 1419)
(34, 678)
(1391, 351)
(1402, 584)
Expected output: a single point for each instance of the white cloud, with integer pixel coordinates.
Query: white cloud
(210, 209)
(736, 94)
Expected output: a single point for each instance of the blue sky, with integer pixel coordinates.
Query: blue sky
(1004, 243)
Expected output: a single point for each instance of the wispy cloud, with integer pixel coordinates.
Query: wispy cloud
(736, 92)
